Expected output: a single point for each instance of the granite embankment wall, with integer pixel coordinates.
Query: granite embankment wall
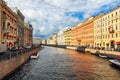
(8, 66)
(109, 54)
(59, 46)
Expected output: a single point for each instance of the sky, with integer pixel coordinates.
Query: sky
(50, 16)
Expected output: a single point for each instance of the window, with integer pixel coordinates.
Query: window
(112, 15)
(108, 23)
(108, 36)
(105, 18)
(116, 35)
(116, 13)
(3, 25)
(112, 35)
(112, 21)
(105, 24)
(116, 27)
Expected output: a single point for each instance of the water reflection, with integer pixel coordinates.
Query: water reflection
(62, 64)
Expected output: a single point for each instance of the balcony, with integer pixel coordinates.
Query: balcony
(110, 29)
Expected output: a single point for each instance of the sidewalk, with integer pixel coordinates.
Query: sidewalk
(109, 54)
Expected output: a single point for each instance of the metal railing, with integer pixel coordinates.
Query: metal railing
(11, 54)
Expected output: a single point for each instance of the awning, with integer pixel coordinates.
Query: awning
(10, 44)
(118, 42)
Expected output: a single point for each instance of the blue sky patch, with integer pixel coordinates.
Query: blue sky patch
(78, 15)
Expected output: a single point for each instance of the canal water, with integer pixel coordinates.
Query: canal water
(63, 64)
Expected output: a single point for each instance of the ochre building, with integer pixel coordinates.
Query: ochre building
(84, 33)
(75, 41)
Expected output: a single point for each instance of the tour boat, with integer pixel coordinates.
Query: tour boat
(34, 55)
(115, 61)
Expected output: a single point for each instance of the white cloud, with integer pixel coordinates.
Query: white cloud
(48, 16)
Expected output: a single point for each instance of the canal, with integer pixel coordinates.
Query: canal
(63, 64)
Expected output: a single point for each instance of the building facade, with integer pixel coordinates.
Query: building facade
(48, 41)
(20, 25)
(44, 42)
(67, 36)
(110, 23)
(8, 25)
(53, 40)
(28, 38)
(98, 30)
(60, 37)
(75, 40)
(85, 33)
(36, 41)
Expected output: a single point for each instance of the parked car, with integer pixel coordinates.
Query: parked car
(14, 49)
(28, 47)
(20, 48)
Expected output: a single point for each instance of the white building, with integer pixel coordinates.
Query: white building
(36, 41)
(60, 37)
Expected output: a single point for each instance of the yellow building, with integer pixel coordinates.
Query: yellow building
(52, 40)
(98, 30)
(44, 42)
(67, 36)
(49, 41)
(110, 29)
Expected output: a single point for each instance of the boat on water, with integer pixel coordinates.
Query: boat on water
(115, 61)
(102, 56)
(34, 55)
